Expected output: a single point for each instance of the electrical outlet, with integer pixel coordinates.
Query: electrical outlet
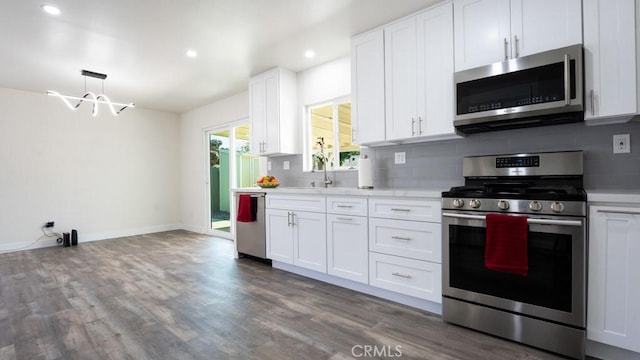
(286, 165)
(268, 165)
(621, 144)
(49, 224)
(401, 157)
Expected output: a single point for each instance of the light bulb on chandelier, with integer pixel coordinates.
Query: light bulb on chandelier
(92, 97)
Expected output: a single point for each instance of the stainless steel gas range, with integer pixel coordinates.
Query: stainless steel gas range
(514, 249)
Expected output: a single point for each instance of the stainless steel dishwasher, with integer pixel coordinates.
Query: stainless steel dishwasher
(251, 238)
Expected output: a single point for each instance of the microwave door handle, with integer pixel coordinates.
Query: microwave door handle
(530, 221)
(567, 80)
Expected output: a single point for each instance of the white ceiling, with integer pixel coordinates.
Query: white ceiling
(141, 44)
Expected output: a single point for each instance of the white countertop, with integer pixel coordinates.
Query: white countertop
(594, 197)
(345, 191)
(613, 198)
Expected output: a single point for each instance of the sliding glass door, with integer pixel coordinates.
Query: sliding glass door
(230, 166)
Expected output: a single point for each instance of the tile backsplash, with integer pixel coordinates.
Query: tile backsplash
(438, 165)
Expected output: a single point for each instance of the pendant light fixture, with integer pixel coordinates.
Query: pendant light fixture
(92, 97)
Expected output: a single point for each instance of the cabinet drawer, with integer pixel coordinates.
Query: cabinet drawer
(296, 202)
(412, 239)
(347, 205)
(405, 209)
(417, 278)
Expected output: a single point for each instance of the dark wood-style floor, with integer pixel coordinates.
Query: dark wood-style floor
(179, 295)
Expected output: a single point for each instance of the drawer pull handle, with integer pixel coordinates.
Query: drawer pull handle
(344, 206)
(398, 209)
(626, 212)
(406, 276)
(345, 218)
(400, 238)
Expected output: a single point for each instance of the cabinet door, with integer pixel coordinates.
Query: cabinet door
(481, 29)
(541, 25)
(257, 114)
(367, 87)
(279, 236)
(400, 79)
(610, 59)
(310, 244)
(435, 71)
(614, 289)
(347, 250)
(272, 112)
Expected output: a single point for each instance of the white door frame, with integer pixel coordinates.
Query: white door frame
(207, 176)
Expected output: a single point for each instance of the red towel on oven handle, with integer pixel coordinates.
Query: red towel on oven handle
(506, 247)
(245, 212)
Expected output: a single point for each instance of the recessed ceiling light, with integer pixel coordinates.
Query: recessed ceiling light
(309, 54)
(191, 53)
(50, 9)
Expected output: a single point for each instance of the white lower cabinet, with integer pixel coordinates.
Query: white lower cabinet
(386, 243)
(614, 264)
(347, 247)
(405, 246)
(309, 240)
(279, 235)
(296, 230)
(417, 278)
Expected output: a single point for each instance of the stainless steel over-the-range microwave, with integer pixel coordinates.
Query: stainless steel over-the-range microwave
(535, 90)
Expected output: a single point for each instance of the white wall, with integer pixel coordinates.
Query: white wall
(324, 82)
(192, 154)
(319, 84)
(105, 176)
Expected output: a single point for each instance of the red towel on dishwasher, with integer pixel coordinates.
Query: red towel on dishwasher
(506, 248)
(245, 212)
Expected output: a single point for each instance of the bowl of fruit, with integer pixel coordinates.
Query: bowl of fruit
(267, 181)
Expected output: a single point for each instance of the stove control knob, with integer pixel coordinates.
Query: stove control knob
(458, 203)
(535, 206)
(503, 205)
(475, 203)
(557, 207)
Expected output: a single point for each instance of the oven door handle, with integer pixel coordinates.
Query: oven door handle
(530, 221)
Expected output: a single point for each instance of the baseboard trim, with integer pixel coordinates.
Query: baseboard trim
(49, 242)
(128, 232)
(193, 228)
(604, 351)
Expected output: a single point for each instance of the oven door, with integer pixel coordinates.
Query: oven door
(553, 289)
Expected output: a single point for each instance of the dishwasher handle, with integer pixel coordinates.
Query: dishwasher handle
(253, 195)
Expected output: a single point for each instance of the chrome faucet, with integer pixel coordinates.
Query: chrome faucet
(323, 160)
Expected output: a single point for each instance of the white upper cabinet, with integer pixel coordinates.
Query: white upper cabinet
(419, 76)
(367, 87)
(482, 32)
(400, 55)
(272, 113)
(435, 71)
(489, 31)
(610, 61)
